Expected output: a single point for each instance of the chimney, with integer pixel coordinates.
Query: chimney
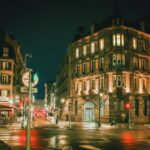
(142, 25)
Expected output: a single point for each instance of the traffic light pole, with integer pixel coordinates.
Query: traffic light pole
(29, 114)
(129, 116)
(69, 112)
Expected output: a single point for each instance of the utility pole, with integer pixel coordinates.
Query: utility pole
(99, 109)
(29, 113)
(70, 112)
(24, 104)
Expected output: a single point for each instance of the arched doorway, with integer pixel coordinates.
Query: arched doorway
(88, 112)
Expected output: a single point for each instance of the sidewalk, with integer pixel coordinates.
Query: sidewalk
(87, 125)
(80, 125)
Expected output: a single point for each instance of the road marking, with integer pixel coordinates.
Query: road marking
(89, 147)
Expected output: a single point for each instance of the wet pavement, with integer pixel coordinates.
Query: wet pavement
(82, 136)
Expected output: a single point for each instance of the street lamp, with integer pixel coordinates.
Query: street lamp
(99, 109)
(25, 59)
(69, 112)
(29, 104)
(25, 67)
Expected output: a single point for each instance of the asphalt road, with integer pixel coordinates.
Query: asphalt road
(49, 138)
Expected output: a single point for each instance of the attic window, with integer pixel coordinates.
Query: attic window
(5, 51)
(77, 52)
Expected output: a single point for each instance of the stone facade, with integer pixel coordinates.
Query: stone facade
(108, 74)
(11, 65)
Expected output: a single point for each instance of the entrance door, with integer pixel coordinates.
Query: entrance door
(88, 112)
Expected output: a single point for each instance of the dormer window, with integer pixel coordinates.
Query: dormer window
(101, 44)
(134, 42)
(77, 52)
(92, 47)
(118, 40)
(5, 52)
(84, 50)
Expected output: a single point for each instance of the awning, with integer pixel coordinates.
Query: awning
(7, 105)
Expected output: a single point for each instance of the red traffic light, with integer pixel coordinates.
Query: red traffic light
(21, 104)
(127, 105)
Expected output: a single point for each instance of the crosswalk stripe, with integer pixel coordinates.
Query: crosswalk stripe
(89, 147)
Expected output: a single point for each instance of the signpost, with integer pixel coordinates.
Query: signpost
(29, 80)
(25, 89)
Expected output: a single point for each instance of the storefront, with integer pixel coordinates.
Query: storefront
(7, 113)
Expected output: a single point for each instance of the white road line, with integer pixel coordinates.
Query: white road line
(89, 147)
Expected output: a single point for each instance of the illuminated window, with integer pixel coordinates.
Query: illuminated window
(77, 70)
(84, 50)
(117, 80)
(135, 66)
(93, 84)
(114, 80)
(93, 65)
(119, 83)
(102, 83)
(101, 65)
(4, 93)
(84, 68)
(92, 47)
(5, 65)
(5, 51)
(101, 44)
(144, 84)
(84, 85)
(118, 59)
(143, 46)
(135, 83)
(77, 52)
(134, 42)
(118, 40)
(76, 87)
(4, 79)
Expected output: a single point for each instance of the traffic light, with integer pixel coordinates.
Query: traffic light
(21, 104)
(127, 105)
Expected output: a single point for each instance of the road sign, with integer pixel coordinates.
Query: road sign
(25, 80)
(24, 89)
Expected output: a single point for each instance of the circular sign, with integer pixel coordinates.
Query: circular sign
(25, 80)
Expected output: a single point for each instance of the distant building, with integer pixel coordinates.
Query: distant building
(112, 60)
(50, 97)
(11, 65)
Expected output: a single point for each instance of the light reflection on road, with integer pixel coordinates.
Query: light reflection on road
(99, 139)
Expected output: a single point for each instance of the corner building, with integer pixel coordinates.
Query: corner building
(11, 65)
(109, 72)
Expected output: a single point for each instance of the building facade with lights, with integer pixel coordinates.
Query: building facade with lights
(11, 64)
(50, 97)
(107, 73)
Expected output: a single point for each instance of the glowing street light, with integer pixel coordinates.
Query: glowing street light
(99, 109)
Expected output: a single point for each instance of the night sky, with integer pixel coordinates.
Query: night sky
(46, 27)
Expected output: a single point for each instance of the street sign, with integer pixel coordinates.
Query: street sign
(25, 80)
(24, 89)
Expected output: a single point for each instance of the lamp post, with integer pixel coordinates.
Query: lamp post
(25, 59)
(69, 112)
(29, 103)
(99, 109)
(62, 102)
(29, 113)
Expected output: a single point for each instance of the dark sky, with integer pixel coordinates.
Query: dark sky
(46, 27)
